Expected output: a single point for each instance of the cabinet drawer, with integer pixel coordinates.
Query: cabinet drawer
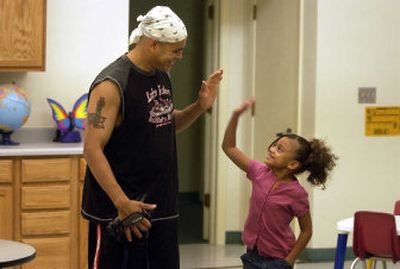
(50, 253)
(5, 170)
(46, 170)
(42, 223)
(46, 197)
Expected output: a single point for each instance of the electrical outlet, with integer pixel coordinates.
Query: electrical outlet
(366, 95)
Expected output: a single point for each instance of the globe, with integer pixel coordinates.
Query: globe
(15, 108)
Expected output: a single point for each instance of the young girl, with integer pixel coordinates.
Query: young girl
(277, 196)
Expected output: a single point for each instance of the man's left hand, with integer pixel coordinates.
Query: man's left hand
(209, 90)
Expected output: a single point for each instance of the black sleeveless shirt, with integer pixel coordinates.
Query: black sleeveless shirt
(142, 150)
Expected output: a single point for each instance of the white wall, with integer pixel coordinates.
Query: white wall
(82, 38)
(358, 44)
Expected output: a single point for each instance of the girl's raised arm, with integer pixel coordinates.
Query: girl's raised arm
(229, 142)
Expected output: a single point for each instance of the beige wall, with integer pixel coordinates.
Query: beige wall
(82, 38)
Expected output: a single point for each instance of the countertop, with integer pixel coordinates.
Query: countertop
(39, 142)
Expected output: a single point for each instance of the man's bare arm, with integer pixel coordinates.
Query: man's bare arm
(103, 114)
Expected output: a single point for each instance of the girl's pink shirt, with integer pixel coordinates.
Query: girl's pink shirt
(271, 211)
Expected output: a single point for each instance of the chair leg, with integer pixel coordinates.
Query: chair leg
(354, 263)
(370, 263)
(384, 264)
(363, 262)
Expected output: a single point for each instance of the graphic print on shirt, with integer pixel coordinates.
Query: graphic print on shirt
(161, 105)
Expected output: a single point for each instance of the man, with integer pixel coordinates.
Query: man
(130, 147)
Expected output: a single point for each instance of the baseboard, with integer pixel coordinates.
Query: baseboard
(314, 255)
(309, 255)
(233, 237)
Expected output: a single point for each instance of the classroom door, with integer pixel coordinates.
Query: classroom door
(186, 77)
(276, 71)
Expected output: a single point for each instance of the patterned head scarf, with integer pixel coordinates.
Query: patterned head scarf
(161, 24)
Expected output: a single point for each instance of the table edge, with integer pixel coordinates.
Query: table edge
(18, 261)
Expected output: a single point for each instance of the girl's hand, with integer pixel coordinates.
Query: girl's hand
(245, 105)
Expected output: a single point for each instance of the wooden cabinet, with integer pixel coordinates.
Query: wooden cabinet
(51, 253)
(23, 35)
(40, 205)
(49, 213)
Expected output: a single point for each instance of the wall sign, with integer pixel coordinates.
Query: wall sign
(382, 121)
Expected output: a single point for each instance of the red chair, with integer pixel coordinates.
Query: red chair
(397, 208)
(375, 238)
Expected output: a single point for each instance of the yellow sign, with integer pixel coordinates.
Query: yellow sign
(382, 121)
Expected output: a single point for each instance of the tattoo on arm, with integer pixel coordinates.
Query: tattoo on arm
(95, 119)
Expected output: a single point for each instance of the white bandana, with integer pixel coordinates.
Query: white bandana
(161, 24)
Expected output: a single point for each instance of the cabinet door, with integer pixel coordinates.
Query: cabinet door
(23, 35)
(276, 71)
(50, 253)
(6, 215)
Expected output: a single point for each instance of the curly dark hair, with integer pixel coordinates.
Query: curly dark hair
(315, 157)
